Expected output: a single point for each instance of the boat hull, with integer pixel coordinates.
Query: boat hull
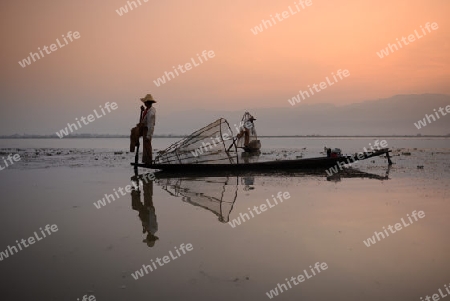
(308, 163)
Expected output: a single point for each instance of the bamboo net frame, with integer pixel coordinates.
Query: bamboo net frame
(211, 144)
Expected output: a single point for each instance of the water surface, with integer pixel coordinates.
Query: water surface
(95, 251)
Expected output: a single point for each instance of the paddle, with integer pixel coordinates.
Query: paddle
(136, 157)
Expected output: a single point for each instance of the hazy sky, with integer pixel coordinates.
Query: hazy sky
(117, 58)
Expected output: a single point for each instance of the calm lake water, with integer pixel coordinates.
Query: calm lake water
(352, 144)
(326, 220)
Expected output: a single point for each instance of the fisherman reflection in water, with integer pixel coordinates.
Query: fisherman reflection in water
(147, 213)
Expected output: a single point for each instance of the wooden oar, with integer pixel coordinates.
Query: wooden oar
(136, 157)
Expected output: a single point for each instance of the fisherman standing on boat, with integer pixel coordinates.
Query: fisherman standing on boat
(148, 125)
(246, 127)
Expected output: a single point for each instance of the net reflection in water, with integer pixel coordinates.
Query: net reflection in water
(216, 194)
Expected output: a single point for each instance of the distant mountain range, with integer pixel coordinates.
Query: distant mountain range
(393, 116)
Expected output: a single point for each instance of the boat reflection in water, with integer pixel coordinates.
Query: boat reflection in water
(354, 173)
(216, 192)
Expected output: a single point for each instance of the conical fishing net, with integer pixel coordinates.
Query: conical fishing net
(212, 144)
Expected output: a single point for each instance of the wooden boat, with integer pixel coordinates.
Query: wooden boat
(208, 150)
(306, 163)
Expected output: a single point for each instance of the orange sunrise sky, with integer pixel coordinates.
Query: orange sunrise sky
(118, 58)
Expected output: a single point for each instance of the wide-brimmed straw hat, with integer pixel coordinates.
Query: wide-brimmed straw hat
(150, 240)
(148, 97)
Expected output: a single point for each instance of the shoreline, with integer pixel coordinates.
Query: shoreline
(100, 136)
